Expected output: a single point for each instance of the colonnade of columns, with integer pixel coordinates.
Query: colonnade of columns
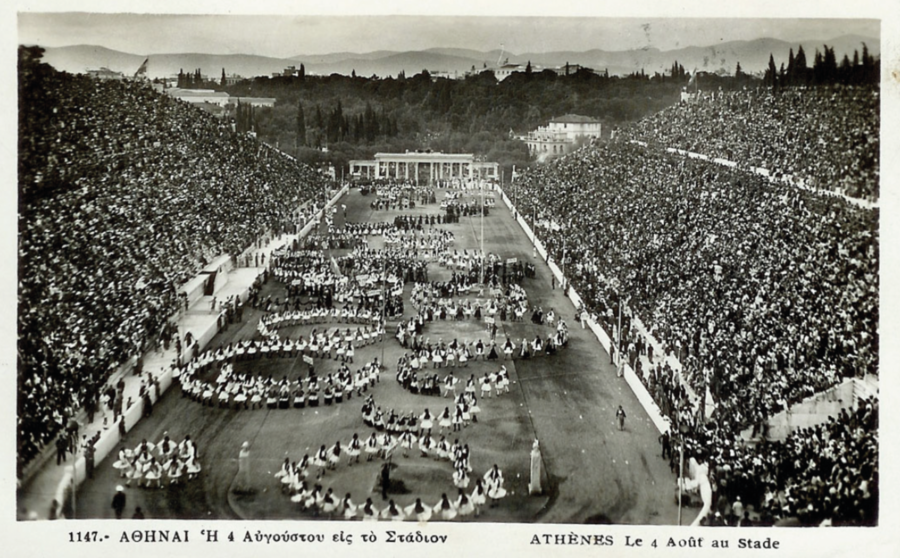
(413, 170)
(420, 171)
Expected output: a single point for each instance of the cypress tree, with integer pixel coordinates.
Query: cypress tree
(301, 124)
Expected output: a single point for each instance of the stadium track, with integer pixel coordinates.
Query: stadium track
(596, 473)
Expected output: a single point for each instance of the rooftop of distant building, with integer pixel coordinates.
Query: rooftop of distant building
(574, 119)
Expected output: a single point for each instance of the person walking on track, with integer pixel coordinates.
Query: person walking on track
(620, 417)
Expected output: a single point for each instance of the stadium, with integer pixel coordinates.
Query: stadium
(675, 324)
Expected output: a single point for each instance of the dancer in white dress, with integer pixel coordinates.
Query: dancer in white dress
(392, 512)
(334, 455)
(386, 444)
(426, 423)
(464, 505)
(123, 462)
(407, 441)
(371, 446)
(369, 513)
(445, 508)
(329, 503)
(354, 448)
(153, 474)
(348, 508)
(460, 477)
(493, 480)
(426, 445)
(320, 459)
(486, 386)
(193, 467)
(418, 510)
(479, 496)
(303, 492)
(445, 420)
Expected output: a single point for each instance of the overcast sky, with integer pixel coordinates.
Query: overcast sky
(290, 35)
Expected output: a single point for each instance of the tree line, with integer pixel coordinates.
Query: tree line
(825, 70)
(355, 117)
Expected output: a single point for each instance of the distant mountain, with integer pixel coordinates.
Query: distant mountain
(753, 56)
(333, 57)
(410, 62)
(78, 59)
(247, 65)
(722, 58)
(491, 57)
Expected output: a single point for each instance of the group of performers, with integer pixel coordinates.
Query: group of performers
(150, 465)
(408, 376)
(250, 391)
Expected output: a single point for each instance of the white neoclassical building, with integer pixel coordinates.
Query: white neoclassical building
(561, 134)
(423, 167)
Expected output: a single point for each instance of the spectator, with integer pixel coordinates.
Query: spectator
(760, 292)
(118, 501)
(125, 193)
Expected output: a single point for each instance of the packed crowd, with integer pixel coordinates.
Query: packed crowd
(820, 475)
(766, 293)
(826, 136)
(125, 193)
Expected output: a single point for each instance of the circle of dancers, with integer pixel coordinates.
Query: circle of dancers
(313, 496)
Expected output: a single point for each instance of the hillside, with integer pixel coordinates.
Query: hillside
(723, 58)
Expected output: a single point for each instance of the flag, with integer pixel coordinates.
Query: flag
(709, 404)
(143, 69)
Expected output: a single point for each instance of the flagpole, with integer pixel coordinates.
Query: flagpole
(482, 231)
(383, 305)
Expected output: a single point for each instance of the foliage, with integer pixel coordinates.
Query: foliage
(350, 117)
(825, 69)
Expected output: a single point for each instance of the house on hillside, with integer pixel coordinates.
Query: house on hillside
(105, 73)
(561, 135)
